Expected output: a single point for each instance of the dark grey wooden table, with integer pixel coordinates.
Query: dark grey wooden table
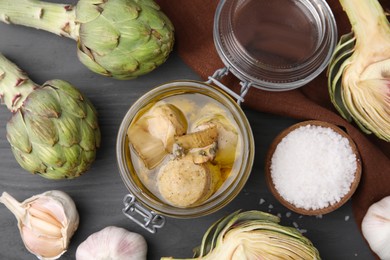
(99, 192)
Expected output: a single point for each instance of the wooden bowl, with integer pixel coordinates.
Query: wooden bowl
(289, 205)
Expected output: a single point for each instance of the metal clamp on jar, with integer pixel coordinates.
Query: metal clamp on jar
(185, 149)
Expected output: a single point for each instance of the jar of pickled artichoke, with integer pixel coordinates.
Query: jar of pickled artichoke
(185, 149)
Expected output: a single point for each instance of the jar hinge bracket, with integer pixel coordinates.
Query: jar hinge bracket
(218, 74)
(147, 219)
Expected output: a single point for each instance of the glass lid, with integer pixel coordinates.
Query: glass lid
(275, 45)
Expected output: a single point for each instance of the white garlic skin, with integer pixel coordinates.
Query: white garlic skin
(46, 222)
(376, 228)
(113, 243)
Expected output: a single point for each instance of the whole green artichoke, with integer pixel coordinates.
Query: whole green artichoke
(117, 38)
(53, 130)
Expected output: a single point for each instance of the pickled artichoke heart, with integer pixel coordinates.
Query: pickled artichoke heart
(198, 139)
(182, 183)
(253, 235)
(117, 38)
(359, 72)
(165, 122)
(54, 130)
(227, 137)
(152, 136)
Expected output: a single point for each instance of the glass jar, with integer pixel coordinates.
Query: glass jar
(146, 207)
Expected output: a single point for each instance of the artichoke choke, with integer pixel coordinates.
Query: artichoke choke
(53, 130)
(359, 71)
(116, 38)
(253, 235)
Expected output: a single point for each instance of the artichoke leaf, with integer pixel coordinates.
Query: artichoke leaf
(100, 36)
(335, 87)
(87, 141)
(148, 52)
(72, 156)
(29, 161)
(347, 41)
(56, 173)
(87, 58)
(97, 134)
(64, 86)
(44, 103)
(68, 128)
(72, 106)
(49, 155)
(119, 62)
(121, 11)
(91, 118)
(134, 35)
(87, 10)
(150, 3)
(17, 134)
(86, 158)
(40, 129)
(153, 17)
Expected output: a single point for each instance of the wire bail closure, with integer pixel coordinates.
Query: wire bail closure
(220, 73)
(147, 219)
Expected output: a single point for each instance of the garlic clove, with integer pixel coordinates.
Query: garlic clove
(113, 243)
(46, 222)
(376, 228)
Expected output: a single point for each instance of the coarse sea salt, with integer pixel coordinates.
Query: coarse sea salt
(313, 167)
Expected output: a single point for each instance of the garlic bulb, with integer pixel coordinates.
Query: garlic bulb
(112, 243)
(376, 228)
(46, 222)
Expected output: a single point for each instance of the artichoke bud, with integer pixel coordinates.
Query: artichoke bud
(51, 125)
(123, 39)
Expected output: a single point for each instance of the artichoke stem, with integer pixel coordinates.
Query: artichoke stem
(15, 86)
(55, 18)
(366, 17)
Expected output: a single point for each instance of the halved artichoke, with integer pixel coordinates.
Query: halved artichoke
(253, 235)
(359, 71)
